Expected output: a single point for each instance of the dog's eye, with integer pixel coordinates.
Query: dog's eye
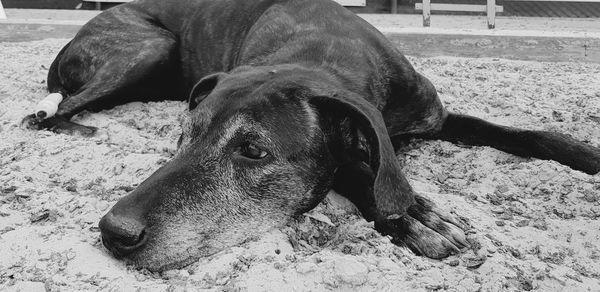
(252, 151)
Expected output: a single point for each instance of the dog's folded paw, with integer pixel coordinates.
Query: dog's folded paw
(426, 230)
(58, 125)
(31, 122)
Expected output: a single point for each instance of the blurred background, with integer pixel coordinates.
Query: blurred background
(539, 8)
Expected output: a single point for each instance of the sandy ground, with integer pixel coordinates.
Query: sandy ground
(534, 222)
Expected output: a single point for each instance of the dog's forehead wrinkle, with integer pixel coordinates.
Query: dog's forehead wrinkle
(231, 127)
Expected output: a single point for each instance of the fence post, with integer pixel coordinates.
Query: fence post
(2, 14)
(491, 13)
(426, 12)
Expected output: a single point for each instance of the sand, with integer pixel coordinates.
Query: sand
(534, 222)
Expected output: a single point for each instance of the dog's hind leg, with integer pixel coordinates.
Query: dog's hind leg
(424, 117)
(528, 143)
(107, 64)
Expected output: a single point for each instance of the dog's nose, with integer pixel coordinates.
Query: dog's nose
(122, 235)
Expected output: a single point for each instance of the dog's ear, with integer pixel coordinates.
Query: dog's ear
(203, 88)
(391, 191)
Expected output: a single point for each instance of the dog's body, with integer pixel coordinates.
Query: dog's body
(310, 101)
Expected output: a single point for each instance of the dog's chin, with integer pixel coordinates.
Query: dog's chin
(178, 248)
(159, 262)
(159, 266)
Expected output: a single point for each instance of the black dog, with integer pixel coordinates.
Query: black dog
(294, 98)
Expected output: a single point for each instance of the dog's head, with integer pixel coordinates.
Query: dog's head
(260, 145)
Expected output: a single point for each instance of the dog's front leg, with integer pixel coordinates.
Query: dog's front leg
(424, 228)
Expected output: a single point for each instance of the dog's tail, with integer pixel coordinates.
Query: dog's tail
(540, 144)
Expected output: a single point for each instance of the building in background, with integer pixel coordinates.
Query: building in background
(545, 8)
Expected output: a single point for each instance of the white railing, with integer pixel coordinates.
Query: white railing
(2, 14)
(490, 9)
(342, 2)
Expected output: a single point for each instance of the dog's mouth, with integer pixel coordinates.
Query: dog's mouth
(143, 253)
(154, 262)
(170, 266)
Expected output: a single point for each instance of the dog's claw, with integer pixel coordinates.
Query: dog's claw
(427, 231)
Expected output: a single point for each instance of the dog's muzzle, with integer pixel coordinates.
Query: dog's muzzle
(122, 235)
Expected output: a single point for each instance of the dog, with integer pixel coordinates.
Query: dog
(288, 99)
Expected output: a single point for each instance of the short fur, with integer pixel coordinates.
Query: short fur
(315, 88)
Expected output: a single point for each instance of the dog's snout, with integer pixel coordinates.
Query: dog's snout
(122, 235)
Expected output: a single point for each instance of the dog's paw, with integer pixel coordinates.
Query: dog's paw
(31, 122)
(58, 125)
(426, 230)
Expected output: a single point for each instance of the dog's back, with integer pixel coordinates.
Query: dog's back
(219, 35)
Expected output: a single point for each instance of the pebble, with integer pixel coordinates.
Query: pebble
(522, 223)
(540, 224)
(350, 271)
(497, 210)
(473, 262)
(176, 274)
(387, 264)
(9, 190)
(222, 281)
(502, 189)
(305, 268)
(140, 277)
(39, 216)
(102, 205)
(515, 252)
(118, 169)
